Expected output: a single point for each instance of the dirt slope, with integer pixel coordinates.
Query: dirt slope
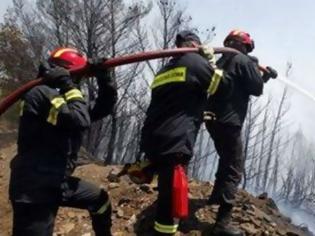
(134, 206)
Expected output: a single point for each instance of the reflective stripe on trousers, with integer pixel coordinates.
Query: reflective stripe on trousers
(167, 229)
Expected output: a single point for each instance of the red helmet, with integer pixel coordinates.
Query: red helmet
(240, 36)
(68, 58)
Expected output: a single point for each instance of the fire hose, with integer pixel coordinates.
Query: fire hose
(13, 97)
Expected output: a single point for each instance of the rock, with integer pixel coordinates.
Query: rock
(259, 215)
(112, 177)
(287, 219)
(146, 188)
(263, 196)
(71, 214)
(246, 207)
(132, 219)
(271, 203)
(274, 225)
(192, 233)
(134, 207)
(251, 212)
(87, 234)
(112, 186)
(237, 209)
(67, 228)
(266, 233)
(281, 232)
(267, 218)
(292, 234)
(120, 233)
(120, 213)
(129, 228)
(245, 219)
(257, 223)
(249, 228)
(214, 208)
(124, 200)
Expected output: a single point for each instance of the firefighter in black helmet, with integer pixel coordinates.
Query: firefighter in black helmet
(53, 118)
(179, 95)
(224, 118)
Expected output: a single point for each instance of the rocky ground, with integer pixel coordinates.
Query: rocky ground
(134, 205)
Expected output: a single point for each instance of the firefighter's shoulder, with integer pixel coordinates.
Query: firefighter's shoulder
(41, 91)
(193, 57)
(241, 58)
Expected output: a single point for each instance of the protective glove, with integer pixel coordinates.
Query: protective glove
(42, 68)
(269, 73)
(208, 53)
(56, 76)
(103, 75)
(140, 172)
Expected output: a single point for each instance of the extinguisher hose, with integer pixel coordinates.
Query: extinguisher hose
(9, 100)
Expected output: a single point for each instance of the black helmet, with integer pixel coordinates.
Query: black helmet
(185, 36)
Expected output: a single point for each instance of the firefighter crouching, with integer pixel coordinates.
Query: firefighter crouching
(53, 118)
(174, 116)
(224, 119)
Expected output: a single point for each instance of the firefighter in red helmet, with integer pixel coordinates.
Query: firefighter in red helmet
(53, 118)
(224, 119)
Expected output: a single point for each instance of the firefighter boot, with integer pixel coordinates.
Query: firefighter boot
(223, 225)
(101, 218)
(214, 198)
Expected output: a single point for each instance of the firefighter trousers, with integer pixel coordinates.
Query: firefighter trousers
(164, 223)
(37, 219)
(228, 144)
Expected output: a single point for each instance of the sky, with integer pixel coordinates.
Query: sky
(283, 30)
(4, 4)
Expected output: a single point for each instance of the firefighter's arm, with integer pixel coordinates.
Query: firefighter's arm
(251, 77)
(69, 110)
(213, 80)
(57, 101)
(107, 91)
(35, 102)
(268, 72)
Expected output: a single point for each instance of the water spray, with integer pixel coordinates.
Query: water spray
(296, 87)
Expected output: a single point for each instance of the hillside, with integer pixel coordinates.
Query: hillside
(133, 205)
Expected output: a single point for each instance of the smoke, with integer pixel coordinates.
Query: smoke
(298, 216)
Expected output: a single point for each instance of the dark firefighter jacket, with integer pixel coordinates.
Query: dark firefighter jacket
(50, 134)
(179, 95)
(247, 81)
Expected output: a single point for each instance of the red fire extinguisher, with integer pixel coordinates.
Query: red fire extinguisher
(180, 193)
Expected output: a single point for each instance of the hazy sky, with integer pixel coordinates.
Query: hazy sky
(4, 4)
(283, 30)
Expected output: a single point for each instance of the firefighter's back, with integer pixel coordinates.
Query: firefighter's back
(179, 96)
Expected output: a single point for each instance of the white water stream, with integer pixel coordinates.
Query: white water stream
(296, 87)
(298, 217)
